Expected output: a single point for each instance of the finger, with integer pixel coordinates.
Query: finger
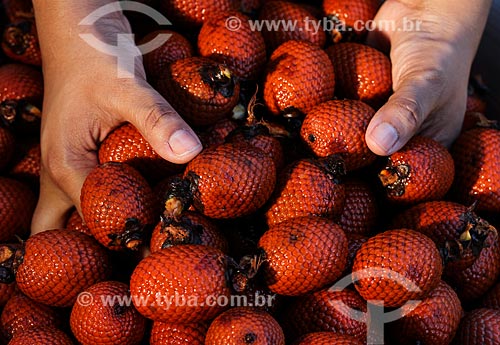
(60, 190)
(401, 117)
(161, 125)
(52, 207)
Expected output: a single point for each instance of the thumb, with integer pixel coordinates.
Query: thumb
(402, 116)
(169, 135)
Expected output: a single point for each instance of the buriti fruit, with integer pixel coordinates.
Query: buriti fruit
(22, 313)
(285, 90)
(17, 203)
(191, 14)
(226, 181)
(126, 145)
(194, 273)
(434, 321)
(176, 47)
(242, 325)
(201, 90)
(338, 127)
(20, 42)
(458, 232)
(242, 50)
(41, 335)
(117, 205)
(346, 15)
(7, 146)
(21, 93)
(178, 333)
(67, 262)
(479, 327)
(477, 161)
(422, 170)
(361, 72)
(308, 187)
(302, 255)
(321, 311)
(396, 266)
(287, 12)
(190, 228)
(107, 323)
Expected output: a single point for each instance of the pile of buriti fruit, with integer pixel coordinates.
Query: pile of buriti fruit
(285, 200)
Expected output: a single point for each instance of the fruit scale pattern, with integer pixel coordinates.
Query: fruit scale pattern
(282, 229)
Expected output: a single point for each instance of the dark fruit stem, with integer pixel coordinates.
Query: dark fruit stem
(219, 78)
(394, 178)
(476, 235)
(334, 166)
(10, 259)
(13, 111)
(179, 197)
(132, 237)
(182, 232)
(15, 37)
(242, 274)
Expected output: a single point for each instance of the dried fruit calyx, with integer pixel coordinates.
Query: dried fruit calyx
(476, 235)
(242, 274)
(12, 112)
(16, 37)
(395, 177)
(132, 237)
(179, 197)
(180, 232)
(219, 78)
(10, 258)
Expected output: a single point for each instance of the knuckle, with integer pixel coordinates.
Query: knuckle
(411, 111)
(156, 115)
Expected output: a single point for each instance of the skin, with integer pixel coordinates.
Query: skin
(84, 99)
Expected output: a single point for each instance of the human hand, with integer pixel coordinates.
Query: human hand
(430, 69)
(84, 100)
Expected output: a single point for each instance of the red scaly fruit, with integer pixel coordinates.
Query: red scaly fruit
(321, 311)
(67, 262)
(259, 136)
(201, 90)
(41, 335)
(7, 147)
(303, 255)
(347, 16)
(434, 321)
(244, 325)
(20, 43)
(21, 93)
(338, 127)
(127, 145)
(479, 327)
(191, 228)
(27, 169)
(217, 133)
(287, 12)
(164, 333)
(191, 272)
(111, 323)
(21, 313)
(223, 182)
(299, 76)
(308, 187)
(327, 338)
(176, 47)
(421, 171)
(360, 212)
(477, 168)
(458, 232)
(242, 49)
(473, 282)
(118, 206)
(361, 72)
(6, 292)
(75, 222)
(491, 299)
(17, 204)
(192, 14)
(396, 266)
(18, 10)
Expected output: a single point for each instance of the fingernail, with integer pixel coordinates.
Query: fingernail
(385, 135)
(184, 142)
